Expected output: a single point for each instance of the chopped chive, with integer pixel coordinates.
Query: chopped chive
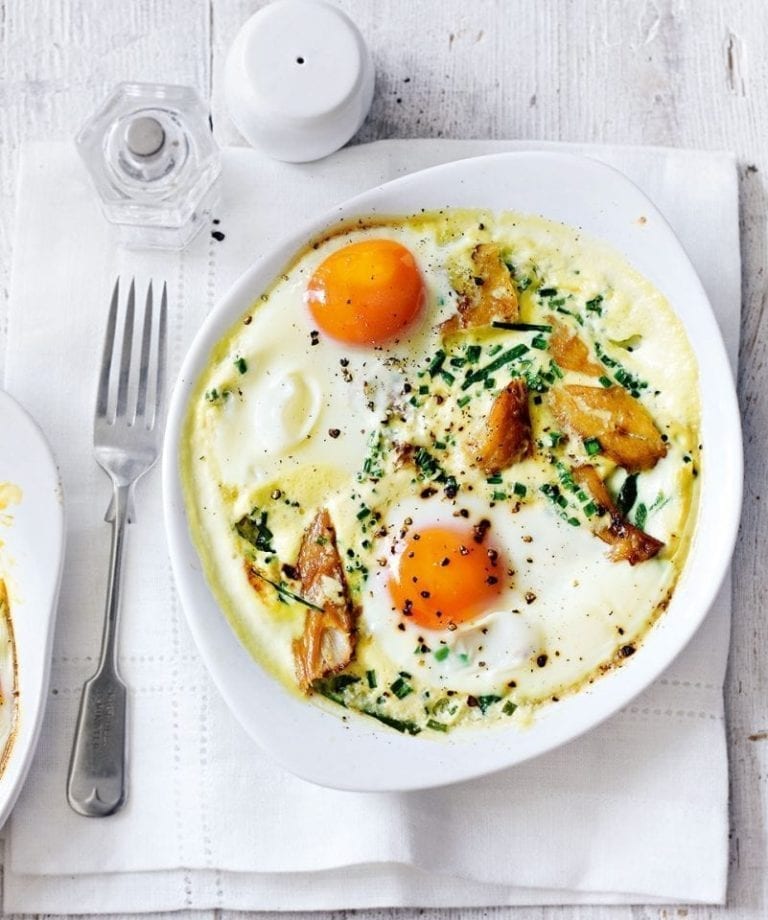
(458, 361)
(606, 381)
(437, 726)
(508, 708)
(606, 359)
(254, 530)
(464, 400)
(499, 497)
(215, 397)
(490, 383)
(370, 676)
(627, 495)
(520, 489)
(547, 292)
(436, 363)
(427, 463)
(522, 327)
(440, 445)
(590, 508)
(592, 446)
(536, 382)
(494, 350)
(574, 521)
(423, 389)
(473, 353)
(442, 653)
(241, 364)
(414, 402)
(485, 702)
(539, 342)
(557, 302)
(448, 377)
(629, 381)
(594, 305)
(641, 515)
(363, 513)
(495, 479)
(342, 681)
(398, 724)
(566, 478)
(284, 592)
(505, 358)
(330, 695)
(400, 688)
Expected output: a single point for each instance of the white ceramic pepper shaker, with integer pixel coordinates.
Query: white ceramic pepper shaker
(299, 80)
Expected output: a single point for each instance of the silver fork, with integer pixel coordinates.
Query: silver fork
(126, 443)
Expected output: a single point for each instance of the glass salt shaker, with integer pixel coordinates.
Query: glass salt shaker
(151, 155)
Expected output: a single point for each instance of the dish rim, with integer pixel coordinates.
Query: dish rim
(45, 566)
(305, 758)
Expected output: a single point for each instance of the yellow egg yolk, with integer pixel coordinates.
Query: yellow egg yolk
(445, 577)
(367, 292)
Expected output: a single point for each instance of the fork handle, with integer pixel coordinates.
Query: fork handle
(96, 781)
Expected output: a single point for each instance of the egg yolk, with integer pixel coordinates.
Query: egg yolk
(367, 292)
(445, 578)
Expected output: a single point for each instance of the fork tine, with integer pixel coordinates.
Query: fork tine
(162, 334)
(163, 367)
(146, 341)
(102, 396)
(125, 358)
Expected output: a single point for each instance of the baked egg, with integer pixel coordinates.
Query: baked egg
(444, 471)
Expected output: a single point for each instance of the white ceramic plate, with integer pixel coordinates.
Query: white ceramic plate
(31, 556)
(359, 754)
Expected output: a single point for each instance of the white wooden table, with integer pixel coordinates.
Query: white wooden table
(689, 73)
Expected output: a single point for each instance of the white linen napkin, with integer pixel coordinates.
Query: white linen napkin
(635, 811)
